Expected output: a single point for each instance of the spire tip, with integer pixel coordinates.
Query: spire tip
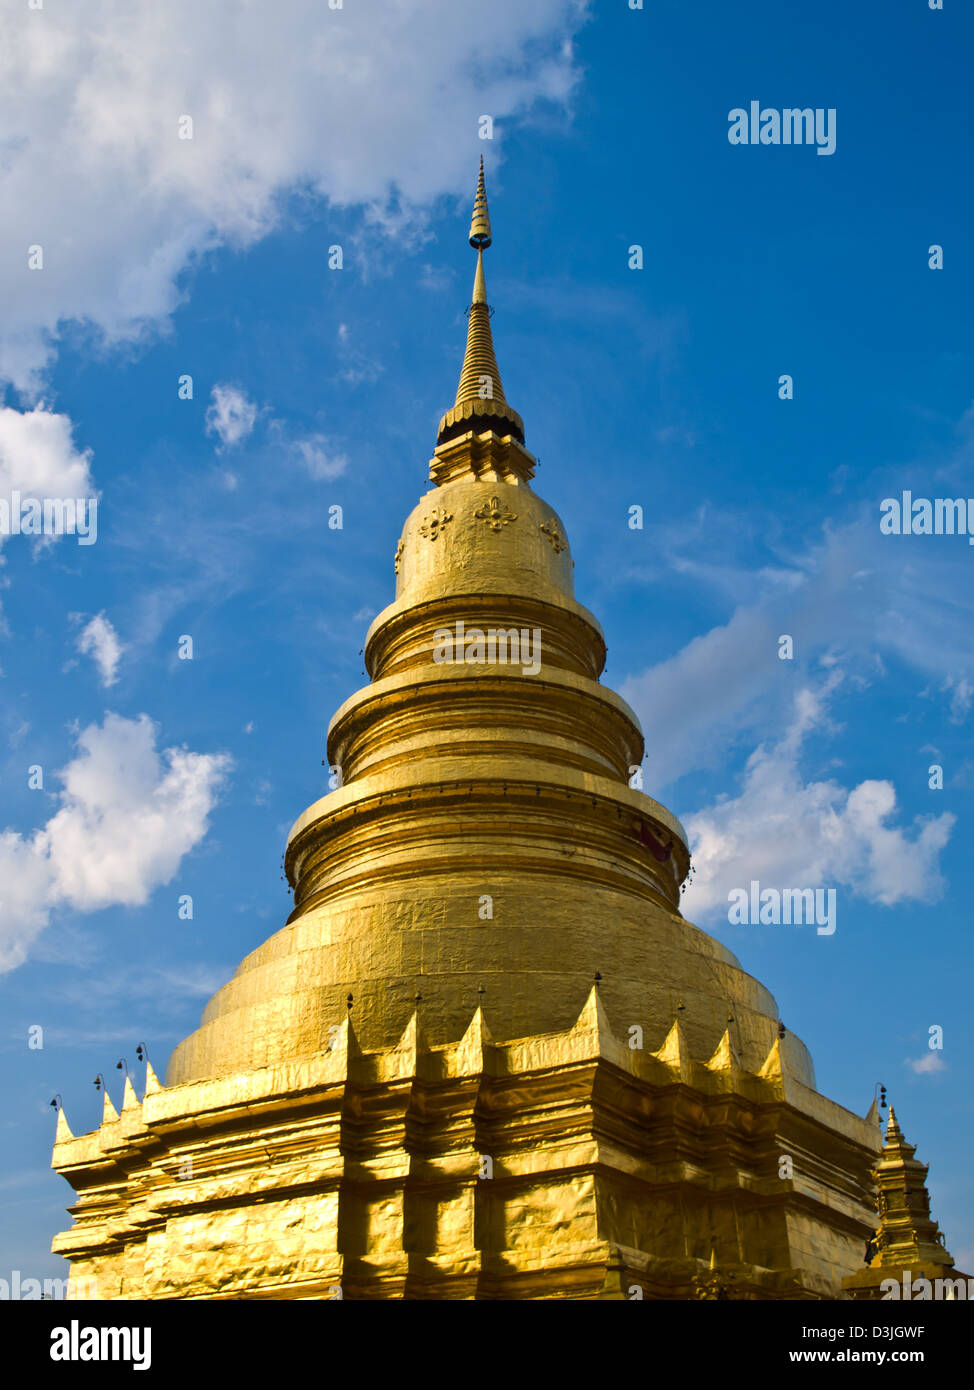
(480, 222)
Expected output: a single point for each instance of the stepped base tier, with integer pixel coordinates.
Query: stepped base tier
(563, 1165)
(487, 1056)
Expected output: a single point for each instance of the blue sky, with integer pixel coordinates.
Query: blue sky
(655, 387)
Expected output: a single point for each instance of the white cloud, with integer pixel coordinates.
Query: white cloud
(317, 455)
(25, 896)
(128, 816)
(961, 699)
(100, 640)
(38, 458)
(230, 416)
(928, 1064)
(788, 833)
(323, 100)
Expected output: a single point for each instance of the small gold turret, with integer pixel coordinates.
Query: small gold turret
(907, 1246)
(906, 1230)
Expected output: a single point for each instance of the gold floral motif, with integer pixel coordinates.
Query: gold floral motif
(399, 549)
(434, 523)
(494, 515)
(550, 531)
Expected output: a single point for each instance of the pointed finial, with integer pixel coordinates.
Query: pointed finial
(480, 222)
(130, 1100)
(893, 1130)
(480, 405)
(480, 379)
(63, 1131)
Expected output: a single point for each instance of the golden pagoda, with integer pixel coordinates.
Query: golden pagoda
(907, 1256)
(486, 1057)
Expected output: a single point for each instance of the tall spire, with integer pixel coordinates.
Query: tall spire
(480, 401)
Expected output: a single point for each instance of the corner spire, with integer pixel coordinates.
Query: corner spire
(906, 1230)
(480, 403)
(908, 1245)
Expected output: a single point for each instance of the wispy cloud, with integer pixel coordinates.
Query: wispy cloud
(99, 640)
(849, 599)
(320, 458)
(927, 1065)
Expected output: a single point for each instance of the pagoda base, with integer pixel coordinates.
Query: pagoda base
(562, 1166)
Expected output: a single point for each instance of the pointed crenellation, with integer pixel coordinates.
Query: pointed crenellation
(343, 1048)
(593, 1016)
(130, 1100)
(63, 1132)
(773, 1067)
(594, 1032)
(675, 1053)
(108, 1112)
(412, 1045)
(777, 1072)
(469, 1055)
(725, 1065)
(152, 1085)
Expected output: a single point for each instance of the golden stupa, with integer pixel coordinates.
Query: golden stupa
(486, 1057)
(907, 1256)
